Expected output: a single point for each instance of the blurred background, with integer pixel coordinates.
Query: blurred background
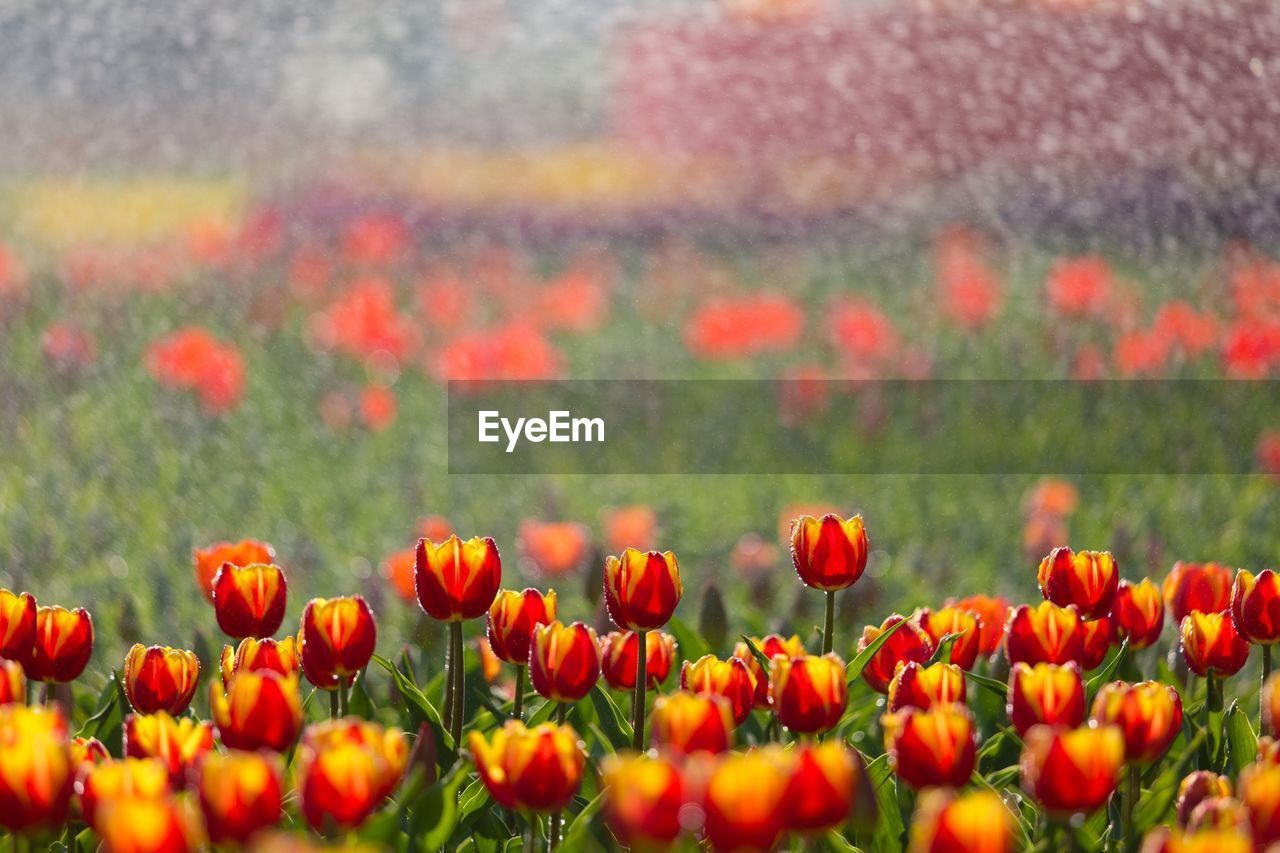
(242, 246)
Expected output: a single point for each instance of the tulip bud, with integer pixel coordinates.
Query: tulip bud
(1211, 646)
(992, 613)
(644, 794)
(1259, 790)
(827, 785)
(122, 779)
(537, 769)
(947, 822)
(345, 770)
(1225, 814)
(1045, 633)
(962, 624)
(1255, 606)
(337, 640)
(208, 560)
(933, 747)
(770, 646)
(159, 678)
(170, 826)
(178, 744)
(249, 601)
(618, 651)
(1205, 587)
(1072, 771)
(1138, 613)
(1045, 693)
(1086, 579)
(908, 643)
(564, 661)
(512, 618)
(745, 800)
(916, 685)
(1197, 787)
(457, 580)
(686, 723)
(253, 655)
(17, 626)
(730, 678)
(808, 693)
(829, 553)
(1149, 715)
(13, 682)
(257, 710)
(64, 644)
(1096, 637)
(36, 773)
(642, 589)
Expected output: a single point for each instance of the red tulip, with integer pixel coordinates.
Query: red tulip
(13, 682)
(1138, 613)
(773, 644)
(1052, 694)
(36, 773)
(947, 822)
(642, 589)
(686, 723)
(730, 678)
(1149, 715)
(337, 640)
(1045, 633)
(1197, 787)
(1255, 606)
(1197, 586)
(243, 553)
(536, 769)
(564, 661)
(178, 744)
(808, 693)
(345, 770)
(249, 601)
(1097, 636)
(745, 800)
(17, 626)
(1211, 646)
(919, 686)
(643, 800)
(962, 624)
(908, 643)
(457, 580)
(148, 825)
(64, 644)
(253, 655)
(829, 553)
(121, 779)
(618, 651)
(257, 710)
(1086, 579)
(1259, 790)
(1072, 771)
(158, 678)
(512, 618)
(827, 786)
(933, 747)
(992, 613)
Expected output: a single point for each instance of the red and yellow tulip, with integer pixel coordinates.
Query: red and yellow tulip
(17, 626)
(457, 580)
(1149, 714)
(827, 787)
(148, 825)
(947, 822)
(208, 560)
(908, 643)
(64, 644)
(922, 686)
(963, 625)
(1085, 579)
(993, 614)
(618, 652)
(249, 601)
(564, 661)
(1205, 587)
(1210, 644)
(178, 744)
(1072, 771)
(512, 618)
(345, 770)
(1197, 787)
(829, 553)
(1097, 636)
(159, 678)
(1045, 693)
(337, 640)
(730, 678)
(1259, 789)
(642, 588)
(13, 682)
(1138, 613)
(124, 778)
(257, 710)
(770, 646)
(1255, 606)
(645, 795)
(809, 693)
(686, 723)
(1044, 633)
(745, 800)
(253, 654)
(36, 770)
(535, 769)
(933, 747)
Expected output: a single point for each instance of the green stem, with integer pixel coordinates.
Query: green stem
(344, 690)
(1129, 799)
(455, 631)
(334, 712)
(642, 678)
(1266, 674)
(448, 683)
(829, 628)
(517, 704)
(553, 833)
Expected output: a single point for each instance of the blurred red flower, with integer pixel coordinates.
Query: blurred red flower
(1268, 454)
(554, 547)
(194, 359)
(969, 289)
(377, 407)
(744, 326)
(861, 331)
(1182, 326)
(1080, 287)
(376, 238)
(630, 527)
(517, 350)
(68, 348)
(365, 320)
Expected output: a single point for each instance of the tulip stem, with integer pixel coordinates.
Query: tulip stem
(448, 684)
(1128, 800)
(343, 689)
(517, 703)
(455, 634)
(334, 709)
(637, 707)
(1266, 674)
(828, 629)
(553, 832)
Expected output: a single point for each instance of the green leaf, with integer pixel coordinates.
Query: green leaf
(862, 658)
(764, 662)
(473, 801)
(997, 687)
(359, 703)
(1242, 743)
(579, 832)
(108, 701)
(836, 841)
(612, 722)
(692, 645)
(436, 810)
(422, 711)
(1104, 675)
(887, 833)
(942, 654)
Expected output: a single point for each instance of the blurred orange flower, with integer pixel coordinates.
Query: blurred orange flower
(553, 547)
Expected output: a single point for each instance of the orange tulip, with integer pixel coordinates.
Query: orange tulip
(773, 644)
(243, 553)
(1072, 771)
(709, 675)
(178, 744)
(1197, 586)
(916, 685)
(116, 779)
(808, 693)
(257, 710)
(1255, 606)
(827, 785)
(536, 769)
(1087, 579)
(1045, 633)
(564, 661)
(1138, 613)
(642, 588)
(947, 822)
(933, 747)
(745, 801)
(240, 794)
(643, 800)
(159, 678)
(64, 644)
(512, 618)
(1052, 694)
(1259, 790)
(992, 613)
(686, 723)
(1211, 646)
(17, 626)
(457, 580)
(1097, 636)
(829, 553)
(346, 769)
(908, 643)
(36, 773)
(1197, 787)
(630, 526)
(1149, 714)
(398, 568)
(961, 623)
(147, 825)
(249, 600)
(13, 682)
(253, 655)
(618, 651)
(337, 640)
(490, 665)
(553, 547)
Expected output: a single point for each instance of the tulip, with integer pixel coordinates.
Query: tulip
(240, 794)
(908, 643)
(933, 747)
(686, 723)
(1045, 633)
(808, 693)
(1259, 789)
(208, 560)
(178, 744)
(1211, 646)
(992, 613)
(124, 778)
(1162, 839)
(1218, 814)
(1149, 714)
(534, 769)
(346, 768)
(643, 800)
(1255, 606)
(829, 554)
(337, 641)
(745, 801)
(618, 651)
(253, 655)
(249, 600)
(64, 644)
(916, 685)
(159, 678)
(1096, 637)
(947, 822)
(1045, 693)
(1205, 587)
(1138, 613)
(1197, 787)
(147, 825)
(86, 754)
(512, 618)
(257, 710)
(1086, 579)
(564, 661)
(770, 646)
(827, 785)
(13, 682)
(17, 626)
(962, 625)
(36, 773)
(709, 675)
(1071, 771)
